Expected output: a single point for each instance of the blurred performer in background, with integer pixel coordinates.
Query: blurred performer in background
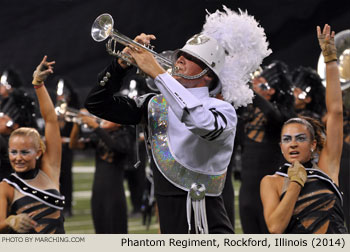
(272, 105)
(342, 42)
(30, 201)
(66, 95)
(198, 129)
(344, 174)
(10, 80)
(113, 144)
(228, 192)
(134, 85)
(18, 111)
(309, 93)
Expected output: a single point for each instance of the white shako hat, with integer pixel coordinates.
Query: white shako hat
(208, 51)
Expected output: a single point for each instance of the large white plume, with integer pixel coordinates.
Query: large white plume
(245, 42)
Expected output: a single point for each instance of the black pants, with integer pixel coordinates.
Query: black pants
(108, 202)
(173, 216)
(228, 195)
(258, 160)
(136, 184)
(66, 177)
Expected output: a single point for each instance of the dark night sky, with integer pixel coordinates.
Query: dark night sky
(61, 29)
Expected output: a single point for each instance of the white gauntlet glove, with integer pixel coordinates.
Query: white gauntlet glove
(297, 173)
(328, 48)
(20, 223)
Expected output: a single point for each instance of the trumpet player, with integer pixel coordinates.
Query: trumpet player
(191, 134)
(65, 93)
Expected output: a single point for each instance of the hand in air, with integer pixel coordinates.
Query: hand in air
(42, 71)
(326, 41)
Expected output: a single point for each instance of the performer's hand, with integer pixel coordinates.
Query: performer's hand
(297, 173)
(144, 59)
(43, 70)
(143, 39)
(326, 41)
(88, 119)
(20, 223)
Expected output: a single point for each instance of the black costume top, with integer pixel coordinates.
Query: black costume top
(5, 166)
(318, 209)
(46, 204)
(261, 154)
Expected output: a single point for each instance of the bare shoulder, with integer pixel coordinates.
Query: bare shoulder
(4, 186)
(6, 190)
(274, 182)
(271, 179)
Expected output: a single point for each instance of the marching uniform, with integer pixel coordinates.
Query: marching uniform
(191, 136)
(318, 209)
(45, 203)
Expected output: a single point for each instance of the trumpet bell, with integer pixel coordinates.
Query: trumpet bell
(344, 65)
(102, 27)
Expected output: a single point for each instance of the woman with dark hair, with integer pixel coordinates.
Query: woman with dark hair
(303, 195)
(30, 201)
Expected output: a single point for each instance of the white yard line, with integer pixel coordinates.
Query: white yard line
(87, 194)
(83, 169)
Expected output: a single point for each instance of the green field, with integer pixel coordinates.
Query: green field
(81, 221)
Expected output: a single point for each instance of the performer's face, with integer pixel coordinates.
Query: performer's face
(261, 87)
(299, 100)
(189, 66)
(22, 153)
(296, 143)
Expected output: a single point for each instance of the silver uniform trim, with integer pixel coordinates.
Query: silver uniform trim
(177, 174)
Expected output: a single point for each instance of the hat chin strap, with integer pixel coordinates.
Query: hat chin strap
(193, 77)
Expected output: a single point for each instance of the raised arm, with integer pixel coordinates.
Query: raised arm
(51, 159)
(331, 153)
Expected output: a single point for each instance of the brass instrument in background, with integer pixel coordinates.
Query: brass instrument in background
(102, 28)
(71, 114)
(342, 44)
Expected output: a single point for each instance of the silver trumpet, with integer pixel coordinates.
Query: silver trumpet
(102, 28)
